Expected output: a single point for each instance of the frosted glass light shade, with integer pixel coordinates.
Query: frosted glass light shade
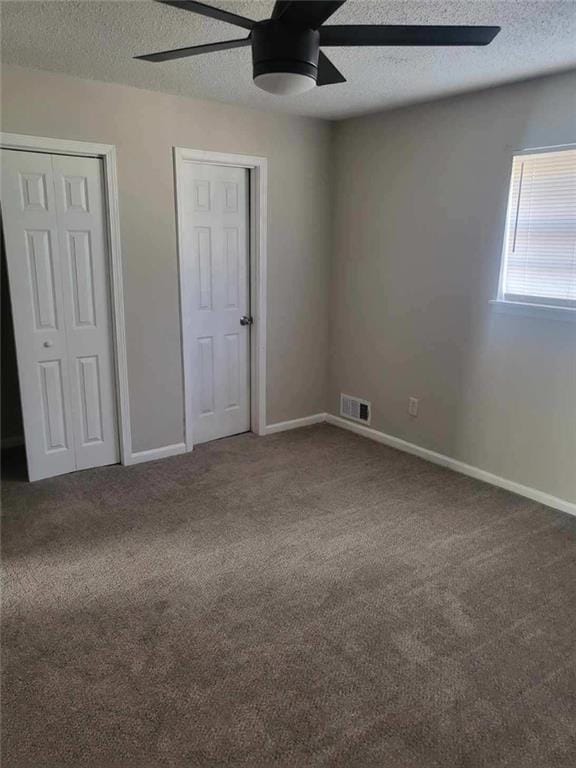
(284, 83)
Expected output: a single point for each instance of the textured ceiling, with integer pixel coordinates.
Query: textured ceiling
(97, 40)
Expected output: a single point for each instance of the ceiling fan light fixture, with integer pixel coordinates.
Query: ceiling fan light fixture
(284, 83)
(286, 54)
(285, 58)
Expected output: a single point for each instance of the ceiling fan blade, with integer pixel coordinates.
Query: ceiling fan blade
(280, 6)
(327, 72)
(195, 50)
(210, 11)
(406, 35)
(309, 14)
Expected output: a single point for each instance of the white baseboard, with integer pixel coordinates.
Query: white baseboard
(138, 457)
(458, 466)
(173, 450)
(12, 442)
(305, 421)
(394, 442)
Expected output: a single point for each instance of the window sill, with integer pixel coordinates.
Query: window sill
(542, 311)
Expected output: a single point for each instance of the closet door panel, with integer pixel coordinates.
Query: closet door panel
(83, 242)
(58, 268)
(36, 290)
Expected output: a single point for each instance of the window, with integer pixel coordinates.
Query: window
(539, 254)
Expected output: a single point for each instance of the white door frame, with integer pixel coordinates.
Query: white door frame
(107, 153)
(258, 170)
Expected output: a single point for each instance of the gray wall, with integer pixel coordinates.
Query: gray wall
(418, 205)
(145, 126)
(419, 218)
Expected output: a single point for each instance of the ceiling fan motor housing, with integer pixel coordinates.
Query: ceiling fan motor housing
(283, 48)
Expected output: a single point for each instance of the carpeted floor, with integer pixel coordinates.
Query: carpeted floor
(306, 599)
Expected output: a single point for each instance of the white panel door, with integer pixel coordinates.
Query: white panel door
(215, 233)
(85, 273)
(58, 273)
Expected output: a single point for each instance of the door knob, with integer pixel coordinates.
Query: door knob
(48, 343)
(246, 320)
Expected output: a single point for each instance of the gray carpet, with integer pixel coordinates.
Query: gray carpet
(306, 599)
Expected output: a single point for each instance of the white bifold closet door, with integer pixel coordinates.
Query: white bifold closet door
(214, 224)
(58, 272)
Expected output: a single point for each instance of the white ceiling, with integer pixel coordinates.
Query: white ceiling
(97, 40)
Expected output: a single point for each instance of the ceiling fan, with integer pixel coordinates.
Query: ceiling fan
(286, 51)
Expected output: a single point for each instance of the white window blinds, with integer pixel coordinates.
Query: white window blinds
(539, 259)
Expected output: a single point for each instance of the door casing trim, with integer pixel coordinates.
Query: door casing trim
(106, 153)
(258, 170)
